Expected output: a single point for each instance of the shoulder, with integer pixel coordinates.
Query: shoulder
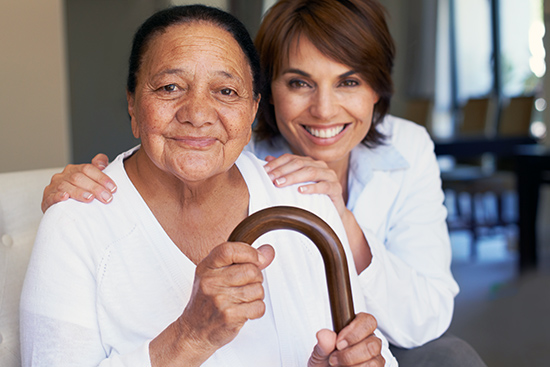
(407, 137)
(72, 221)
(399, 130)
(266, 194)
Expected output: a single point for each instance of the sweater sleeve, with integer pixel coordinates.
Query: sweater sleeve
(409, 285)
(59, 323)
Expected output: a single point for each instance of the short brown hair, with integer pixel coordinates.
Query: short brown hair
(351, 32)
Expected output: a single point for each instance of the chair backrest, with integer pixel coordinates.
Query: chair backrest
(474, 117)
(20, 215)
(515, 119)
(419, 110)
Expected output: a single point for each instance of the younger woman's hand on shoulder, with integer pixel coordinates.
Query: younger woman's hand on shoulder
(290, 169)
(83, 182)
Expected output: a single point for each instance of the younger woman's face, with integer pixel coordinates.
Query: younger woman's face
(322, 108)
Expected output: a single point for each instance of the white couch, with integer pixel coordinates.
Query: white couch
(20, 214)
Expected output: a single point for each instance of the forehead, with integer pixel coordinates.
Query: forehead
(301, 51)
(199, 43)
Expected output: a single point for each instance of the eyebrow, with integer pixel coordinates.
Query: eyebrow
(303, 73)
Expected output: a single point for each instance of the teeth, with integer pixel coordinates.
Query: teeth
(325, 133)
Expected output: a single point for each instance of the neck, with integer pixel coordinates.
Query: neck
(155, 184)
(194, 215)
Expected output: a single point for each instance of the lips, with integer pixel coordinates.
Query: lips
(325, 133)
(196, 142)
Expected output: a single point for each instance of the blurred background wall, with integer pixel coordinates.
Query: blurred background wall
(34, 112)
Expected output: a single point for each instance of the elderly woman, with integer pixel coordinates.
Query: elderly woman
(150, 280)
(327, 65)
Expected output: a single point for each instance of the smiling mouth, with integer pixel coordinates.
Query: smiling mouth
(196, 142)
(325, 133)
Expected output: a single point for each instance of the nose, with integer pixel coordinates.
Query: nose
(324, 105)
(197, 108)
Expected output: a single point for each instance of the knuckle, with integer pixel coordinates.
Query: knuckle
(298, 163)
(310, 170)
(256, 292)
(375, 347)
(248, 273)
(88, 169)
(258, 310)
(368, 320)
(255, 276)
(376, 362)
(224, 250)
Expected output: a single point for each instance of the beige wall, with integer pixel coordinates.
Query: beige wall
(33, 92)
(222, 4)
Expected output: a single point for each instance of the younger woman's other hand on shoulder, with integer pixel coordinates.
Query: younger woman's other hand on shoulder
(82, 182)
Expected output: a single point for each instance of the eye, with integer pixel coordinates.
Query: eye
(349, 83)
(169, 88)
(297, 83)
(228, 92)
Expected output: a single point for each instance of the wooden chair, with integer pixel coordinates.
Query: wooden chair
(419, 110)
(515, 119)
(475, 114)
(481, 198)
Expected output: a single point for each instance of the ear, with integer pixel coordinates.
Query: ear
(130, 97)
(376, 97)
(256, 106)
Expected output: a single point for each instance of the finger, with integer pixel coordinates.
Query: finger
(306, 173)
(332, 189)
(326, 340)
(294, 170)
(248, 293)
(242, 274)
(100, 161)
(287, 163)
(84, 180)
(52, 199)
(274, 162)
(103, 185)
(366, 351)
(266, 254)
(230, 253)
(362, 326)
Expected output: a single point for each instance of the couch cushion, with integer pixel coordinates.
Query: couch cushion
(20, 214)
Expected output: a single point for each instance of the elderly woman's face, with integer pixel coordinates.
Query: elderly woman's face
(193, 106)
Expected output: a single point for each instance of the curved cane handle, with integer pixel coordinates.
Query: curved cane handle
(317, 230)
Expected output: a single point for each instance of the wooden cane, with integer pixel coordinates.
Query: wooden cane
(318, 231)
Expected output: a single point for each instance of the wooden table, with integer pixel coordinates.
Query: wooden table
(531, 161)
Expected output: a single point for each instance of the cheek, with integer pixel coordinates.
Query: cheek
(237, 121)
(153, 118)
(286, 110)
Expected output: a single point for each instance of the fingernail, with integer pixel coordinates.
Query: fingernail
(261, 258)
(267, 168)
(102, 166)
(111, 187)
(333, 361)
(87, 195)
(343, 344)
(280, 181)
(302, 188)
(271, 176)
(106, 196)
